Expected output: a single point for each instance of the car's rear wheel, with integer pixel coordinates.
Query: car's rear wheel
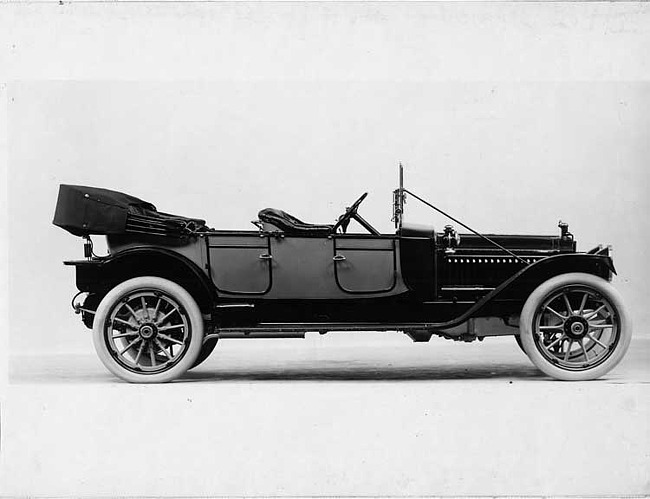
(575, 327)
(148, 330)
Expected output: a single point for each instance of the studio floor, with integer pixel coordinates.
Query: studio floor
(341, 414)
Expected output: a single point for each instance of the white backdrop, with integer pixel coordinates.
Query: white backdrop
(508, 115)
(503, 157)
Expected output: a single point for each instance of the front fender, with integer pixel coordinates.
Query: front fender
(518, 287)
(527, 279)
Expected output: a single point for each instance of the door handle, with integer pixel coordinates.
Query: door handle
(265, 256)
(338, 258)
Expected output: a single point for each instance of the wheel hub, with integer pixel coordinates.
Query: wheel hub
(576, 328)
(148, 331)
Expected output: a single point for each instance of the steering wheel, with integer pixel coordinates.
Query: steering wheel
(344, 220)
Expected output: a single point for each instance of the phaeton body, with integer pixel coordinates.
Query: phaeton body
(171, 287)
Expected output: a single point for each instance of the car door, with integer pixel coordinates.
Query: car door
(365, 264)
(240, 263)
(302, 267)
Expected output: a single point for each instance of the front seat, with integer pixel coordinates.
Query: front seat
(291, 225)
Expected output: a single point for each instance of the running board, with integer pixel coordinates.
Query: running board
(251, 334)
(298, 330)
(326, 327)
(417, 331)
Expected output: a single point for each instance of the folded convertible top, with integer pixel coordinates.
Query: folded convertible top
(83, 211)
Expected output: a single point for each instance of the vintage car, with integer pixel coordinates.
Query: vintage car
(171, 287)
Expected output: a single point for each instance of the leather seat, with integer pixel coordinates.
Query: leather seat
(290, 224)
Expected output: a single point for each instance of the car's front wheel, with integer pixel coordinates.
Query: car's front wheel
(575, 327)
(148, 330)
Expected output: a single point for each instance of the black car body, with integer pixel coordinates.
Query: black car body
(287, 277)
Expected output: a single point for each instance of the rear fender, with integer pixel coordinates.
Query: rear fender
(100, 276)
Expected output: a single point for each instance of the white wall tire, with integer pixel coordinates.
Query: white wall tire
(142, 321)
(575, 327)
